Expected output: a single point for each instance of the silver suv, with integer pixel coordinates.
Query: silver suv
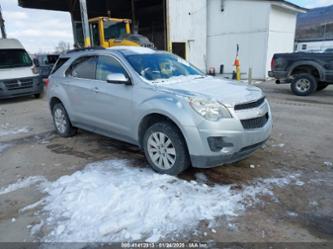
(158, 101)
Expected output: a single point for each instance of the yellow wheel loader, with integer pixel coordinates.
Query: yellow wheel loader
(109, 32)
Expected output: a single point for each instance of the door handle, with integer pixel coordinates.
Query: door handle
(96, 89)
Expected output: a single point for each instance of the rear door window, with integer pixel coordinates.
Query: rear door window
(84, 68)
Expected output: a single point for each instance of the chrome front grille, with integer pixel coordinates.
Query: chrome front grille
(19, 84)
(255, 123)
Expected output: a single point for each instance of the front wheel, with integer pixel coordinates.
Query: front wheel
(304, 84)
(165, 149)
(61, 121)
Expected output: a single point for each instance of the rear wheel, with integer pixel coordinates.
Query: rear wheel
(304, 84)
(61, 121)
(165, 149)
(322, 86)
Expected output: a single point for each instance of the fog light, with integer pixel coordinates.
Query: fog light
(217, 144)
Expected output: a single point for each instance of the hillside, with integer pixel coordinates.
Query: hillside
(316, 24)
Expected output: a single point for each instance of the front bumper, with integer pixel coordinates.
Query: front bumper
(25, 87)
(213, 161)
(239, 142)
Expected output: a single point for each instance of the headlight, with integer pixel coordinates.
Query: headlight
(209, 109)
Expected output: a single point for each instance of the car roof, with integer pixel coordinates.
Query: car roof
(10, 44)
(132, 50)
(123, 50)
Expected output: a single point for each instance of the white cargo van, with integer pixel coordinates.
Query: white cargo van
(18, 75)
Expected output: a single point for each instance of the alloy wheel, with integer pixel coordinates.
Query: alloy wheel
(60, 120)
(303, 85)
(161, 150)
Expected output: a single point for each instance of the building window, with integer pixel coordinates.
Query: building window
(179, 48)
(304, 47)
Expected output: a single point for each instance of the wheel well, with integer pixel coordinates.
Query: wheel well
(151, 119)
(54, 101)
(306, 69)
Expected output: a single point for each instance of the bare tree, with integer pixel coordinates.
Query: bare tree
(62, 47)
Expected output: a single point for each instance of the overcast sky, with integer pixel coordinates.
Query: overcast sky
(38, 30)
(41, 31)
(312, 3)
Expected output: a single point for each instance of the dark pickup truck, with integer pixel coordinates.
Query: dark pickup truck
(307, 72)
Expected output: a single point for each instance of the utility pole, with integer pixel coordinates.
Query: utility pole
(2, 25)
(133, 16)
(85, 23)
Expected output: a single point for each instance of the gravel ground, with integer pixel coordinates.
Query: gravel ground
(301, 143)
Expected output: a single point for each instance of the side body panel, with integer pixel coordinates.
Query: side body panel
(323, 62)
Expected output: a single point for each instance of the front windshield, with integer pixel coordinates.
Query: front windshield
(11, 58)
(159, 66)
(114, 30)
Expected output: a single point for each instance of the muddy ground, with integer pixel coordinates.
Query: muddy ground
(302, 142)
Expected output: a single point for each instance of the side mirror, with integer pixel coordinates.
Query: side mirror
(36, 62)
(118, 78)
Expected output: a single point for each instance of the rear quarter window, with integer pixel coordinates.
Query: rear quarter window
(58, 64)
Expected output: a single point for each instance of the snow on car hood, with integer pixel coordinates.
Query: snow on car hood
(228, 92)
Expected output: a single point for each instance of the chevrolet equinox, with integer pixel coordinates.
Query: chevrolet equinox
(179, 116)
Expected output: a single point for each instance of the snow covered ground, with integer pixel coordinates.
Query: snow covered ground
(22, 183)
(3, 147)
(112, 201)
(7, 130)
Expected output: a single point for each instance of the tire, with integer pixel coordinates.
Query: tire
(40, 94)
(304, 84)
(61, 121)
(322, 86)
(172, 157)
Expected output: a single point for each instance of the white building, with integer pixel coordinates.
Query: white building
(211, 29)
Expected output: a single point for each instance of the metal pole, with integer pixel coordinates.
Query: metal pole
(2, 25)
(85, 23)
(250, 76)
(133, 16)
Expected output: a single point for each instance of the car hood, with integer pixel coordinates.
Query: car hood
(228, 92)
(16, 73)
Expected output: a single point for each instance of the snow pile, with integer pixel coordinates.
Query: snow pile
(328, 164)
(111, 201)
(278, 145)
(8, 132)
(22, 183)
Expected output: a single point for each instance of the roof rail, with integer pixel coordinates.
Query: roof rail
(84, 49)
